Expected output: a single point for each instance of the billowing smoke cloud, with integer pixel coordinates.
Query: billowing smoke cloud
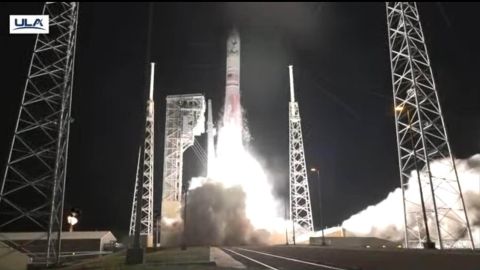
(235, 205)
(216, 216)
(385, 219)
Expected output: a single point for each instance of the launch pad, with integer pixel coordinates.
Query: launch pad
(33, 188)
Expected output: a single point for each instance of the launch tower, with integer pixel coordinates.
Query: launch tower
(185, 119)
(300, 207)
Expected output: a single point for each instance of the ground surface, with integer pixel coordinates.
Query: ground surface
(294, 257)
(315, 257)
(193, 258)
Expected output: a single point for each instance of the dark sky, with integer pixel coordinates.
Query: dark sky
(342, 74)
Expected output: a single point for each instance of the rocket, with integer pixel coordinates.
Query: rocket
(233, 110)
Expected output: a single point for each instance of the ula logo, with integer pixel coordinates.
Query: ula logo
(29, 24)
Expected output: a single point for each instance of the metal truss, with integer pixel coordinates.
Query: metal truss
(422, 138)
(133, 215)
(32, 191)
(185, 119)
(146, 217)
(300, 207)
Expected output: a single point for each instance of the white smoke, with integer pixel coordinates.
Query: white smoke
(386, 219)
(234, 168)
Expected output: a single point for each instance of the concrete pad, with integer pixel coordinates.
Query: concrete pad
(222, 259)
(12, 259)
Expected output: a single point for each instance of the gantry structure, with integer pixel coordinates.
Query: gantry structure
(185, 119)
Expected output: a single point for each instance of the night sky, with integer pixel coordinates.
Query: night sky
(343, 82)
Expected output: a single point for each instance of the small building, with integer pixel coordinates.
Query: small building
(80, 243)
(340, 237)
(354, 242)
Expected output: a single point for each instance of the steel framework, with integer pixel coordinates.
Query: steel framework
(133, 215)
(33, 186)
(185, 119)
(422, 138)
(300, 207)
(146, 219)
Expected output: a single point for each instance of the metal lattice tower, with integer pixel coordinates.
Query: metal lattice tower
(133, 215)
(300, 207)
(422, 138)
(185, 119)
(146, 220)
(33, 186)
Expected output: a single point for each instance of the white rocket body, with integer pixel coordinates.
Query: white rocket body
(233, 109)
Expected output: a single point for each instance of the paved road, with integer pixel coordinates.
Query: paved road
(259, 258)
(331, 258)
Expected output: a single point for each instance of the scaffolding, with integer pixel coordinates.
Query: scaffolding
(185, 119)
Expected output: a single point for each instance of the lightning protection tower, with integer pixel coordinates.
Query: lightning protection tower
(300, 207)
(33, 186)
(422, 138)
(131, 231)
(146, 190)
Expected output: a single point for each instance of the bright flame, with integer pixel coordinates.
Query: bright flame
(235, 166)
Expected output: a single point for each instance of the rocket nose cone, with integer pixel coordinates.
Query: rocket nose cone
(234, 34)
(233, 42)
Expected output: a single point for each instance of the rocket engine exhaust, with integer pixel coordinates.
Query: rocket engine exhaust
(235, 204)
(385, 220)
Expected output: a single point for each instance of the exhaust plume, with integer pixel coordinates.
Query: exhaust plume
(235, 204)
(218, 217)
(385, 219)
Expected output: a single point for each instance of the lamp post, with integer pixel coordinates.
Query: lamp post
(184, 236)
(286, 223)
(72, 219)
(428, 244)
(319, 190)
(156, 228)
(293, 229)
